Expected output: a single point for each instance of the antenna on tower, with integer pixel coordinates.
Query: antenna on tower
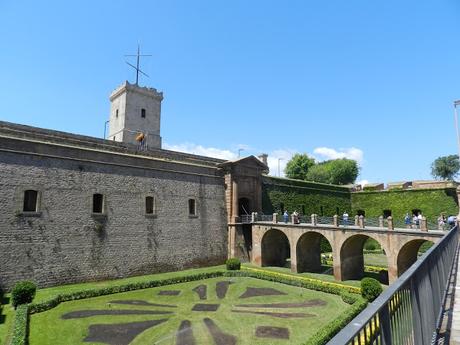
(138, 70)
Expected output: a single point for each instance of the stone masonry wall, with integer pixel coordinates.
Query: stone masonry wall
(62, 244)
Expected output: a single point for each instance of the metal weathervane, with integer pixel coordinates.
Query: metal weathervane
(138, 70)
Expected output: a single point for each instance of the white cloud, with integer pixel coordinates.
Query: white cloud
(363, 182)
(284, 155)
(326, 153)
(277, 159)
(202, 151)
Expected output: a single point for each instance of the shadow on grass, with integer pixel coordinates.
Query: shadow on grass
(3, 303)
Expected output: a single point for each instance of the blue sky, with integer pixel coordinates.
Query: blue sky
(371, 80)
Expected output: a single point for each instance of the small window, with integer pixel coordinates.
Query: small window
(191, 207)
(149, 205)
(116, 113)
(30, 201)
(361, 213)
(98, 203)
(143, 112)
(386, 213)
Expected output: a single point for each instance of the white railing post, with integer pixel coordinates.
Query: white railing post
(335, 220)
(390, 223)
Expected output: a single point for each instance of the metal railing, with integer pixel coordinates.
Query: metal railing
(410, 310)
(246, 218)
(265, 217)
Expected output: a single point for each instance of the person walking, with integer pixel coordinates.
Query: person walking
(286, 216)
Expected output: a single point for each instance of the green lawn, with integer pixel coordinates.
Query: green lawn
(49, 328)
(375, 259)
(47, 293)
(6, 320)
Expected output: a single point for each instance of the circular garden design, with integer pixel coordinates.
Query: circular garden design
(220, 311)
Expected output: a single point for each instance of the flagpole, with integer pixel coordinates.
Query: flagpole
(456, 103)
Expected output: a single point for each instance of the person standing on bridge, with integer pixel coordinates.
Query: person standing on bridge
(286, 216)
(407, 221)
(345, 218)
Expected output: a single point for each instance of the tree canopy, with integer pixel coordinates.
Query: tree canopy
(298, 166)
(336, 171)
(445, 167)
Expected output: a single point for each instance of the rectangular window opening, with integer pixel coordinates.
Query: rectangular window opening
(98, 203)
(149, 205)
(30, 201)
(191, 207)
(143, 112)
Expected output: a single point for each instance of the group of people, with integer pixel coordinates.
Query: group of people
(295, 216)
(444, 221)
(411, 222)
(414, 221)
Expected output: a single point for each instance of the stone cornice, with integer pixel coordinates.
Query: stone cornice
(146, 91)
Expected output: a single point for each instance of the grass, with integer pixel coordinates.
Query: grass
(6, 320)
(47, 293)
(375, 259)
(49, 328)
(327, 274)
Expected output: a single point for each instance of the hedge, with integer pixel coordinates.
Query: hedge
(233, 264)
(21, 319)
(23, 292)
(348, 294)
(51, 303)
(327, 332)
(370, 288)
(308, 283)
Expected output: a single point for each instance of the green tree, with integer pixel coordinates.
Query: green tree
(318, 173)
(445, 167)
(336, 171)
(343, 171)
(298, 166)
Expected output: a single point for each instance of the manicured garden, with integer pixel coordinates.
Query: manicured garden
(204, 306)
(229, 309)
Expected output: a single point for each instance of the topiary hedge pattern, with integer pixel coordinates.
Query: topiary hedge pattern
(23, 292)
(370, 288)
(347, 294)
(233, 264)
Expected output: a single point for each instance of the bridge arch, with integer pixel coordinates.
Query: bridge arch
(408, 254)
(276, 249)
(352, 258)
(308, 252)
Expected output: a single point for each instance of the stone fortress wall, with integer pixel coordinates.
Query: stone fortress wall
(64, 242)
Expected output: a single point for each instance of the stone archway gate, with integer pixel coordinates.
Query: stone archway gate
(400, 246)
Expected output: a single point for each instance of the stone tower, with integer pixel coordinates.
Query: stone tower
(135, 110)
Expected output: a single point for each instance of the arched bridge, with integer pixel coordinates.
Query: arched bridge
(274, 243)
